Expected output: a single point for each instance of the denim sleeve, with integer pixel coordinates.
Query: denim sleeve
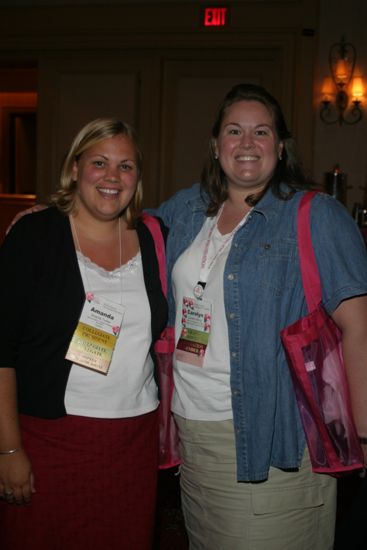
(164, 211)
(340, 252)
(171, 208)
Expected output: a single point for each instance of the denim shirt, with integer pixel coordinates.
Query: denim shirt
(263, 293)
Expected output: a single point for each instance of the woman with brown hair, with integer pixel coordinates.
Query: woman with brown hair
(246, 477)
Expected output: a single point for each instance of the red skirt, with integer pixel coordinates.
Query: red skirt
(95, 481)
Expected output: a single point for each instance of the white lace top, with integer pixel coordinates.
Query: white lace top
(129, 388)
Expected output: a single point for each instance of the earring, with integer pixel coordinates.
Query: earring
(280, 155)
(216, 156)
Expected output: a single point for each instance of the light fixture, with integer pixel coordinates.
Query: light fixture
(342, 61)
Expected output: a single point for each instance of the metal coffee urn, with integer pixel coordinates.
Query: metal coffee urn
(336, 184)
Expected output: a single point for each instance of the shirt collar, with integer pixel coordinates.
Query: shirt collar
(269, 205)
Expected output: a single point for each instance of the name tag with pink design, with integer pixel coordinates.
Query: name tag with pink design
(196, 326)
(95, 336)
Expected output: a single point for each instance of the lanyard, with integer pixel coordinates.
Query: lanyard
(83, 257)
(206, 266)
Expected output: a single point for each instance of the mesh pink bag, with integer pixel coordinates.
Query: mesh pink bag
(314, 353)
(164, 347)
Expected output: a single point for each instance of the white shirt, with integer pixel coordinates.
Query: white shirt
(203, 393)
(129, 388)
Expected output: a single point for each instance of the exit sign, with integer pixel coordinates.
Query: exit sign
(215, 16)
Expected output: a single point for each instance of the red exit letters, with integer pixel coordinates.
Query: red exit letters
(215, 17)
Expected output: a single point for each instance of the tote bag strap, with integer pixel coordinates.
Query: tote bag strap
(309, 270)
(155, 229)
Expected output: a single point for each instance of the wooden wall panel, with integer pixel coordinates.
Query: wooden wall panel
(193, 88)
(74, 91)
(154, 64)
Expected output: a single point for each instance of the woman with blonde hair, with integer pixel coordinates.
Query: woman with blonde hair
(78, 398)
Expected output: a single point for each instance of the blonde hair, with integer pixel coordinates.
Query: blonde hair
(95, 131)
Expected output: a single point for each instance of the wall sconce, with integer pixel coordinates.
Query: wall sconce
(342, 60)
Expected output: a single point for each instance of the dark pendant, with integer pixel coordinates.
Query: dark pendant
(199, 289)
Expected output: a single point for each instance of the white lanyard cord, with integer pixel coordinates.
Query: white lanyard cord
(75, 233)
(205, 268)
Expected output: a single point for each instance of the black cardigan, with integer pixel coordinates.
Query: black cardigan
(41, 296)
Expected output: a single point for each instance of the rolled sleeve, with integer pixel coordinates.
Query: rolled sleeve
(340, 252)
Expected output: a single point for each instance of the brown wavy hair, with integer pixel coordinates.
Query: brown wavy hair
(288, 170)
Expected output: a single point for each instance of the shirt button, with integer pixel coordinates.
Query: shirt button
(234, 354)
(232, 315)
(236, 393)
(230, 277)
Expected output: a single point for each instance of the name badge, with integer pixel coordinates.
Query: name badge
(195, 332)
(95, 336)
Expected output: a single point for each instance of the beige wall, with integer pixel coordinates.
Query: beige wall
(345, 145)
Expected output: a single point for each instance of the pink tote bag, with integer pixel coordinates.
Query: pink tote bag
(315, 359)
(169, 455)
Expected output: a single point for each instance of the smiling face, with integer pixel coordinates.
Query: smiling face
(107, 176)
(247, 147)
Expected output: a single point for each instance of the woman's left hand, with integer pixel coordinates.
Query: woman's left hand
(16, 478)
(351, 317)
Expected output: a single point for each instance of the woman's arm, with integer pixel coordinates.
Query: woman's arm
(35, 208)
(351, 317)
(16, 477)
